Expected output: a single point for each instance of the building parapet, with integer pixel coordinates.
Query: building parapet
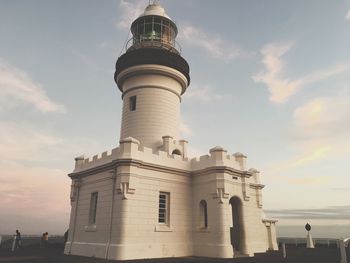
(82, 163)
(219, 157)
(131, 148)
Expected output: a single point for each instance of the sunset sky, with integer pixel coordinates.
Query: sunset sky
(270, 79)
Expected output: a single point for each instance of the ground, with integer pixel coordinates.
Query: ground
(54, 254)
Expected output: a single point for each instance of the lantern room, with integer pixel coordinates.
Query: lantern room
(153, 28)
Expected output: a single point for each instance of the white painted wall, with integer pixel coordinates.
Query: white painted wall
(158, 98)
(135, 231)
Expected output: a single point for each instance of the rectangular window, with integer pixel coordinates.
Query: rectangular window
(203, 222)
(132, 103)
(93, 208)
(163, 211)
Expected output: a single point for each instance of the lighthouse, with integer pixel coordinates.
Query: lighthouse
(152, 76)
(146, 198)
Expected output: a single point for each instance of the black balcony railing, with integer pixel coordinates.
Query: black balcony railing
(152, 42)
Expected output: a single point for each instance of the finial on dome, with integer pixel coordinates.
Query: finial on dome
(153, 2)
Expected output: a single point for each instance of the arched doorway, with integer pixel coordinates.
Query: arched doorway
(237, 231)
(177, 152)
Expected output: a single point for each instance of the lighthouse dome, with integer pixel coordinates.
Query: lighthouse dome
(154, 10)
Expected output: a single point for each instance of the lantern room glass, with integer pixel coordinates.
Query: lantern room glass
(154, 28)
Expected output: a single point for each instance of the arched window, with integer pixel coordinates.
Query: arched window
(203, 214)
(177, 152)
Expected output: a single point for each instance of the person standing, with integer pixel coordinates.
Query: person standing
(46, 239)
(17, 240)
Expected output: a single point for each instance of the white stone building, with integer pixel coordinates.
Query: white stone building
(146, 198)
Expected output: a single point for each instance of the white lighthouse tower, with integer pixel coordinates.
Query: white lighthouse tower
(146, 198)
(152, 77)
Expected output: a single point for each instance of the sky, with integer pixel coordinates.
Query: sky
(270, 79)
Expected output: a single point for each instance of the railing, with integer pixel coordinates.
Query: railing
(342, 244)
(133, 43)
(300, 241)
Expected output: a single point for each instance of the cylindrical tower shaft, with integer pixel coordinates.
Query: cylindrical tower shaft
(151, 103)
(152, 76)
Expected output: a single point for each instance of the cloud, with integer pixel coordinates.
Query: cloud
(310, 181)
(320, 131)
(322, 126)
(347, 17)
(129, 11)
(308, 155)
(34, 186)
(21, 142)
(280, 86)
(24, 142)
(35, 183)
(32, 190)
(341, 189)
(17, 87)
(322, 117)
(332, 212)
(202, 93)
(185, 130)
(36, 197)
(211, 44)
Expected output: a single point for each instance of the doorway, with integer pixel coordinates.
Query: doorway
(237, 233)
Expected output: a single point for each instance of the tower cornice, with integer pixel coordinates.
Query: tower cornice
(155, 56)
(152, 69)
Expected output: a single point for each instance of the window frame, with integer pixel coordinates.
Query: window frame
(166, 206)
(93, 208)
(203, 214)
(132, 103)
